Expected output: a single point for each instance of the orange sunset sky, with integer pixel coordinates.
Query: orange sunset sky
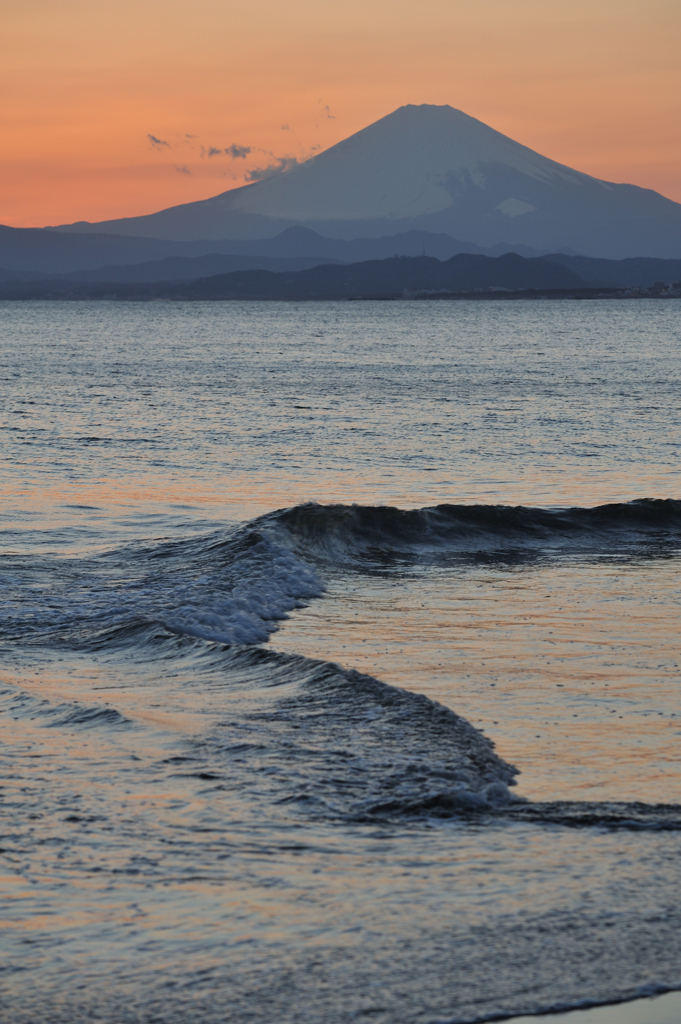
(88, 85)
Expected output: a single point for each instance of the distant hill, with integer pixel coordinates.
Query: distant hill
(177, 277)
(173, 268)
(300, 241)
(434, 169)
(632, 273)
(388, 278)
(48, 252)
(30, 251)
(37, 251)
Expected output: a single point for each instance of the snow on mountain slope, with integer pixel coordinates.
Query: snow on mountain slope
(431, 168)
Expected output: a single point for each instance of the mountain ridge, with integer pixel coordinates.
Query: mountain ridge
(389, 278)
(47, 251)
(292, 246)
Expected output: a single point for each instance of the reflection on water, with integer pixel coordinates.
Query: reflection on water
(237, 409)
(571, 666)
(196, 832)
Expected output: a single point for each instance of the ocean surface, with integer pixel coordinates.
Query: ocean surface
(340, 673)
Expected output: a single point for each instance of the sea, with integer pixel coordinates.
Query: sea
(340, 675)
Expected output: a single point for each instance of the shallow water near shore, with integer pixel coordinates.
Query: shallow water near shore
(340, 670)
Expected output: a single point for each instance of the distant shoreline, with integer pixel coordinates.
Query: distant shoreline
(100, 294)
(464, 276)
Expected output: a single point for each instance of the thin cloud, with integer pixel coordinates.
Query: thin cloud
(234, 151)
(285, 128)
(158, 143)
(283, 164)
(183, 170)
(327, 113)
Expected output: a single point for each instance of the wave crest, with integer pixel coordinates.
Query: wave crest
(338, 531)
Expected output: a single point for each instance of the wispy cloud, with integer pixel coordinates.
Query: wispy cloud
(233, 151)
(285, 128)
(326, 112)
(237, 152)
(271, 166)
(282, 164)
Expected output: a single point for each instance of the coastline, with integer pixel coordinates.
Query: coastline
(659, 1009)
(57, 291)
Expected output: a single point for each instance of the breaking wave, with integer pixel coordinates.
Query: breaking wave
(232, 587)
(235, 586)
(338, 743)
(337, 532)
(326, 740)
(74, 714)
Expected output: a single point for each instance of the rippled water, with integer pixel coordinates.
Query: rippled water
(213, 812)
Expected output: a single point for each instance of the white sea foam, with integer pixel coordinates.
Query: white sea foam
(265, 583)
(231, 588)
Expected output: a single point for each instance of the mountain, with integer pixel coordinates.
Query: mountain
(27, 251)
(435, 169)
(54, 255)
(172, 268)
(301, 241)
(35, 249)
(632, 273)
